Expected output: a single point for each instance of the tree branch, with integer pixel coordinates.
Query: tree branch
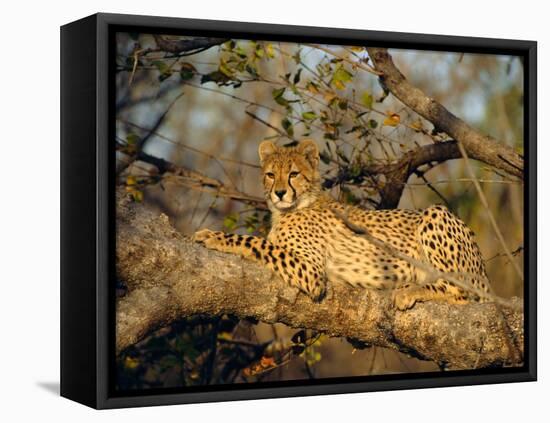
(398, 173)
(479, 147)
(170, 278)
(186, 45)
(200, 182)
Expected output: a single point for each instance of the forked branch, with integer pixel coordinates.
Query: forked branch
(478, 146)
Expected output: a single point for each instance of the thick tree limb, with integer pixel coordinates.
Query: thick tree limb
(397, 173)
(170, 278)
(479, 147)
(193, 45)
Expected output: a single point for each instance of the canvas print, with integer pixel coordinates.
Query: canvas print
(297, 212)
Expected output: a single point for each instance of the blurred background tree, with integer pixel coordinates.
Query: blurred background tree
(202, 106)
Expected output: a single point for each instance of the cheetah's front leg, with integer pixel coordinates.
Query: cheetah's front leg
(295, 270)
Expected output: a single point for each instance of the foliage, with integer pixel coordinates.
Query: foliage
(290, 92)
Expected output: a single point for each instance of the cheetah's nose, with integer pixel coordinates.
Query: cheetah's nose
(280, 194)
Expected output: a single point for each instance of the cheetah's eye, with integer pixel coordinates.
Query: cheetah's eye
(294, 174)
(270, 175)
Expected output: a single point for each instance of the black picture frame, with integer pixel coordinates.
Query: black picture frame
(87, 207)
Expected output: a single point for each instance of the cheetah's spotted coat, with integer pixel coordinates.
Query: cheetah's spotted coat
(310, 247)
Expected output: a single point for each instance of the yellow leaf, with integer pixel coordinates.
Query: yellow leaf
(131, 363)
(312, 88)
(269, 50)
(339, 85)
(131, 180)
(367, 99)
(267, 362)
(138, 196)
(225, 70)
(329, 96)
(417, 125)
(342, 75)
(225, 336)
(392, 119)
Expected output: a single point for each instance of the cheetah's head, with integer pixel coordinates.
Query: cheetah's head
(290, 175)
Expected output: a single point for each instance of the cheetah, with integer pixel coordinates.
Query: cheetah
(309, 246)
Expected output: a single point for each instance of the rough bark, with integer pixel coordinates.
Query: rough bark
(478, 146)
(169, 277)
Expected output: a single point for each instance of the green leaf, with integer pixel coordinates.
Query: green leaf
(216, 76)
(297, 76)
(186, 75)
(309, 115)
(299, 337)
(278, 96)
(187, 71)
(239, 51)
(287, 126)
(348, 197)
(297, 57)
(269, 51)
(367, 99)
(230, 221)
(164, 69)
(132, 139)
(282, 101)
(325, 157)
(259, 52)
(161, 66)
(226, 70)
(278, 92)
(340, 77)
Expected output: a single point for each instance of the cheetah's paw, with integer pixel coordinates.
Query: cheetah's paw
(210, 239)
(203, 235)
(404, 299)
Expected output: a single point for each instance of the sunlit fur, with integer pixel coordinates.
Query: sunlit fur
(311, 247)
(290, 175)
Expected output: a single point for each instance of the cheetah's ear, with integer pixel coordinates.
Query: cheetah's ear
(309, 149)
(266, 148)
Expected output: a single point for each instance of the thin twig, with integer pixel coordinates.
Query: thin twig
(360, 65)
(259, 119)
(485, 204)
(451, 181)
(180, 144)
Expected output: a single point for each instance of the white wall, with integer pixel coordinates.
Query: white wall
(29, 167)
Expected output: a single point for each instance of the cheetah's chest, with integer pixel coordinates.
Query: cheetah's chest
(303, 233)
